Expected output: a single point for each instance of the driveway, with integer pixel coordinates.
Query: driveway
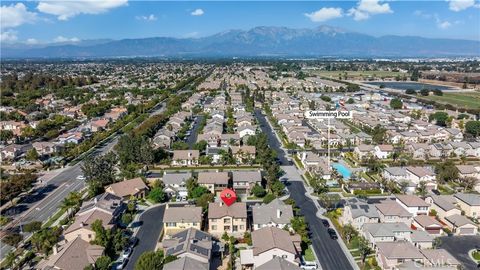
(459, 246)
(148, 234)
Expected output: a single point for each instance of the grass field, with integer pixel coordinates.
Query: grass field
(465, 100)
(334, 74)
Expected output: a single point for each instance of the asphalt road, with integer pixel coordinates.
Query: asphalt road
(329, 252)
(192, 139)
(459, 246)
(148, 233)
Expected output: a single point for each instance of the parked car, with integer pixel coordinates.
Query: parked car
(309, 265)
(122, 264)
(332, 233)
(127, 252)
(326, 223)
(80, 177)
(133, 241)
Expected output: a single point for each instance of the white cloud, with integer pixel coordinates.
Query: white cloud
(325, 14)
(8, 36)
(459, 5)
(15, 15)
(31, 41)
(197, 12)
(366, 8)
(444, 24)
(65, 10)
(60, 39)
(150, 17)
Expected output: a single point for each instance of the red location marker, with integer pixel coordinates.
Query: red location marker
(228, 196)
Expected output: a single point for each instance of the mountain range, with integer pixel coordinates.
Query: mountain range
(323, 41)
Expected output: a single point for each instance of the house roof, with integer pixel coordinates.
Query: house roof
(466, 169)
(469, 198)
(421, 236)
(246, 176)
(186, 214)
(86, 220)
(427, 221)
(411, 201)
(363, 210)
(385, 147)
(175, 178)
(185, 154)
(399, 250)
(268, 238)
(219, 178)
(396, 171)
(276, 212)
(191, 241)
(420, 171)
(127, 187)
(107, 202)
(278, 263)
(246, 149)
(385, 229)
(219, 210)
(186, 263)
(365, 147)
(446, 202)
(459, 220)
(74, 255)
(392, 208)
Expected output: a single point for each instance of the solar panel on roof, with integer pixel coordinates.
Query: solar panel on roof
(354, 206)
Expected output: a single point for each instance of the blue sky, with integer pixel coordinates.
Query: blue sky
(57, 21)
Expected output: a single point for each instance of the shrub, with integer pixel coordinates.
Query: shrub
(268, 198)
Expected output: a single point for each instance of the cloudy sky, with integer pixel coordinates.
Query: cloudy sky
(71, 21)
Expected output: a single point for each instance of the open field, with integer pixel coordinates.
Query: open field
(470, 100)
(356, 74)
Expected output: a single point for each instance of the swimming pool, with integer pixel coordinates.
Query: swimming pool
(344, 171)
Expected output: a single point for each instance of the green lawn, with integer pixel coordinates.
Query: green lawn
(309, 254)
(476, 255)
(470, 100)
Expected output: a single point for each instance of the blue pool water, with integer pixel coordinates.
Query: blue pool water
(344, 171)
(412, 85)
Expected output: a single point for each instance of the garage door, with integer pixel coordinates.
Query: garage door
(466, 231)
(433, 231)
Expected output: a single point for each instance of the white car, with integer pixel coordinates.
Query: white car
(126, 253)
(81, 177)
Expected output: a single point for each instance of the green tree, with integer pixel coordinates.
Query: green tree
(157, 195)
(349, 232)
(32, 155)
(99, 171)
(204, 200)
(268, 198)
(197, 192)
(364, 249)
(410, 91)
(201, 145)
(379, 134)
(440, 118)
(102, 235)
(258, 191)
(43, 240)
(179, 145)
(396, 104)
(473, 128)
(6, 135)
(103, 263)
(12, 239)
(446, 171)
(422, 189)
(150, 260)
(32, 226)
(127, 218)
(278, 188)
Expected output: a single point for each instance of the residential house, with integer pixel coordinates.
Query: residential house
(175, 183)
(128, 188)
(383, 151)
(362, 151)
(215, 182)
(274, 214)
(75, 254)
(469, 203)
(244, 181)
(178, 218)
(45, 148)
(413, 204)
(231, 219)
(421, 239)
(191, 243)
(439, 258)
(246, 131)
(392, 212)
(105, 207)
(185, 157)
(271, 242)
(386, 232)
(357, 213)
(443, 205)
(244, 154)
(460, 225)
(427, 223)
(391, 254)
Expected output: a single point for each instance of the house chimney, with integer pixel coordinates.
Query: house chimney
(55, 249)
(95, 200)
(279, 213)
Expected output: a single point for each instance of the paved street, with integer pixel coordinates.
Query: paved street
(192, 139)
(148, 234)
(459, 246)
(329, 252)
